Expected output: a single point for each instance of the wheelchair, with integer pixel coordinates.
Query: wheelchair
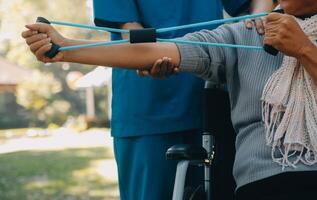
(216, 154)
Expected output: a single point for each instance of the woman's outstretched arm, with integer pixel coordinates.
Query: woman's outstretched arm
(140, 56)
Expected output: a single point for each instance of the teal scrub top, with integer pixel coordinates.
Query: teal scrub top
(145, 106)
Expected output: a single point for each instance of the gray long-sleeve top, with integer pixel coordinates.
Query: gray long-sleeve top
(247, 72)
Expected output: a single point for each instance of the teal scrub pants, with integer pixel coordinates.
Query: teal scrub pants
(144, 172)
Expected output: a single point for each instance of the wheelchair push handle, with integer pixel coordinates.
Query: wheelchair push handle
(55, 48)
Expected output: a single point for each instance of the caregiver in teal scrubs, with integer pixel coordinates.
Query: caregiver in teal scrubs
(149, 116)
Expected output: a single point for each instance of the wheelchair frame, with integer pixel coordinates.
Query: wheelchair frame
(216, 153)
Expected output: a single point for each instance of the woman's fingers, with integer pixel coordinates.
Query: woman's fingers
(40, 53)
(28, 33)
(36, 45)
(40, 27)
(35, 38)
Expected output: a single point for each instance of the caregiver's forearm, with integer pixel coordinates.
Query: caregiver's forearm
(308, 59)
(134, 56)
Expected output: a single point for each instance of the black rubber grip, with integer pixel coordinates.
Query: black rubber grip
(55, 48)
(42, 20)
(143, 35)
(268, 48)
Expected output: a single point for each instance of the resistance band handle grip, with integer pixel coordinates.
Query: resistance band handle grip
(142, 35)
(55, 48)
(268, 48)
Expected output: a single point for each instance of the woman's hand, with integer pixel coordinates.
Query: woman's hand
(39, 37)
(161, 69)
(284, 33)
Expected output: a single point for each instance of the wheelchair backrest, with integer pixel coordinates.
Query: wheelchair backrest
(217, 120)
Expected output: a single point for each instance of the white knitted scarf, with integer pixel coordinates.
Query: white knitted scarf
(289, 103)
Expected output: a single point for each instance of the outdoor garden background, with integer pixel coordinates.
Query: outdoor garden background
(54, 140)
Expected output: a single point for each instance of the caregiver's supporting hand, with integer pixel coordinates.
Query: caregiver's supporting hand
(259, 6)
(284, 33)
(161, 69)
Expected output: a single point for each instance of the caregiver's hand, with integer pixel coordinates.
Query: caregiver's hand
(161, 69)
(259, 6)
(284, 33)
(258, 23)
(39, 36)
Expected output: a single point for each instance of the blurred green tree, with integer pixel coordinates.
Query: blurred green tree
(47, 94)
(37, 94)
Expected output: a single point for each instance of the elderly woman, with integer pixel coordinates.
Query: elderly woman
(273, 99)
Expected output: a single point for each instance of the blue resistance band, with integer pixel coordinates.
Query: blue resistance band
(113, 30)
(69, 48)
(162, 30)
(214, 22)
(149, 35)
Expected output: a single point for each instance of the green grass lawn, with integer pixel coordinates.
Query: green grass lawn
(55, 175)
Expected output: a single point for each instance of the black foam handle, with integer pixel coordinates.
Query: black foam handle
(143, 35)
(268, 48)
(55, 48)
